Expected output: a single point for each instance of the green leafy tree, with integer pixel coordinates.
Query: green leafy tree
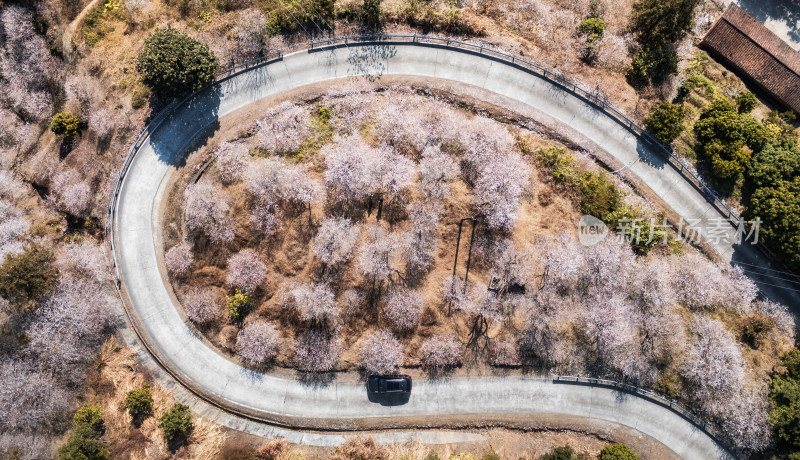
(617, 452)
(666, 121)
(139, 402)
(722, 133)
(310, 16)
(662, 20)
(658, 24)
(84, 442)
(27, 276)
(173, 64)
(784, 395)
(746, 102)
(176, 423)
(653, 63)
(66, 124)
(773, 195)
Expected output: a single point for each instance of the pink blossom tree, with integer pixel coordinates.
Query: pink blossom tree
(380, 353)
(231, 160)
(440, 352)
(179, 258)
(202, 305)
(284, 128)
(250, 34)
(504, 353)
(257, 342)
(713, 365)
(355, 169)
(246, 271)
(85, 259)
(317, 350)
(437, 170)
(403, 308)
(207, 211)
(335, 240)
(381, 253)
(313, 302)
(71, 192)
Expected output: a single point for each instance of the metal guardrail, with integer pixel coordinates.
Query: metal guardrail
(594, 99)
(711, 430)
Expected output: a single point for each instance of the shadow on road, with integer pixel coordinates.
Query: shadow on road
(191, 124)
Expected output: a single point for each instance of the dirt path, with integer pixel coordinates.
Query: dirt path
(69, 31)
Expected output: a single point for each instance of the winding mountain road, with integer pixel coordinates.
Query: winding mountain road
(342, 404)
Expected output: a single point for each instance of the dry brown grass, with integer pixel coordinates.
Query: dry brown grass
(120, 374)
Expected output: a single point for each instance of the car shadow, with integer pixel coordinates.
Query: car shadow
(388, 399)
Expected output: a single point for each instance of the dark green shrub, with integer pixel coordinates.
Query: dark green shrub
(665, 121)
(140, 97)
(662, 20)
(312, 16)
(563, 453)
(90, 416)
(139, 402)
(371, 12)
(600, 196)
(491, 455)
(652, 64)
(617, 452)
(173, 64)
(746, 102)
(720, 133)
(27, 276)
(594, 28)
(66, 124)
(176, 423)
(83, 444)
(432, 456)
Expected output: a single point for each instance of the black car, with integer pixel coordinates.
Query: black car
(389, 384)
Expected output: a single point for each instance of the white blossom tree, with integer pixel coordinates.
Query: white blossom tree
(246, 271)
(179, 258)
(258, 342)
(202, 305)
(380, 353)
(313, 302)
(403, 308)
(207, 211)
(335, 240)
(284, 128)
(439, 352)
(231, 160)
